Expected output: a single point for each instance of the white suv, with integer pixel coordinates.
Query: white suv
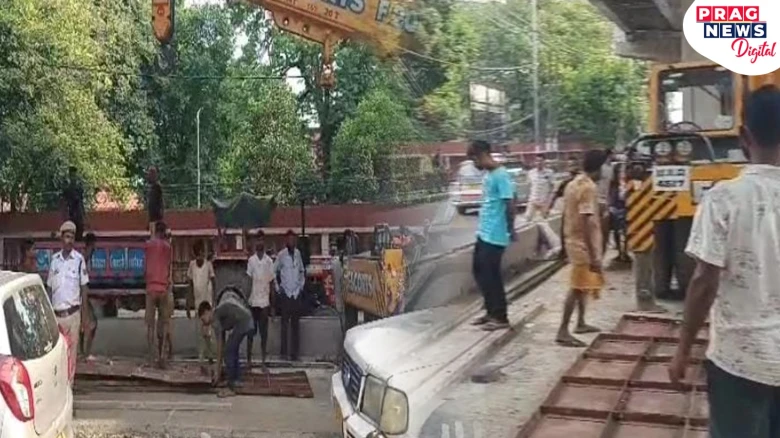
(35, 374)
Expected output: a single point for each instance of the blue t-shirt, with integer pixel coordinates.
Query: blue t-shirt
(497, 189)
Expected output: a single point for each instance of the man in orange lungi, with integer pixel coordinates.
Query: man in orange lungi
(583, 237)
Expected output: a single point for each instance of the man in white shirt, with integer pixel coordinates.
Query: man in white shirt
(735, 240)
(290, 278)
(68, 279)
(542, 185)
(260, 269)
(201, 276)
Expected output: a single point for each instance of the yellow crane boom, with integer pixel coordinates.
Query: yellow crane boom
(388, 25)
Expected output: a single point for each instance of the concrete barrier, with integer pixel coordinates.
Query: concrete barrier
(321, 338)
(452, 278)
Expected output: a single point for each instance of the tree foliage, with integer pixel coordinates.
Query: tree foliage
(84, 83)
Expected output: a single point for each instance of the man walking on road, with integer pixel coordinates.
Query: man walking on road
(735, 239)
(583, 246)
(68, 280)
(494, 233)
(290, 277)
(158, 281)
(542, 185)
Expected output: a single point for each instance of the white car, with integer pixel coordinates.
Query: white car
(35, 373)
(466, 190)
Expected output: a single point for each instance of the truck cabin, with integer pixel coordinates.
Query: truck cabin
(696, 113)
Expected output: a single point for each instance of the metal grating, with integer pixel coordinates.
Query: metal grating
(619, 388)
(351, 376)
(124, 376)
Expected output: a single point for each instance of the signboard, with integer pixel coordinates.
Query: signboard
(118, 260)
(362, 287)
(671, 178)
(394, 276)
(136, 257)
(99, 260)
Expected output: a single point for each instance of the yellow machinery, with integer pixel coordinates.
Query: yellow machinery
(693, 142)
(388, 25)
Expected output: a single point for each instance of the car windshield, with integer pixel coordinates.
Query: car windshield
(696, 99)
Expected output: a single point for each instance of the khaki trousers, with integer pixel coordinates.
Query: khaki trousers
(70, 326)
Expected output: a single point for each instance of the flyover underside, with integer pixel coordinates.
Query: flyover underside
(649, 29)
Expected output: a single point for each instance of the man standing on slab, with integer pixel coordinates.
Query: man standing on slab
(495, 232)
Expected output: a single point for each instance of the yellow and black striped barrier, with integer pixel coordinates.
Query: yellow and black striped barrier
(644, 207)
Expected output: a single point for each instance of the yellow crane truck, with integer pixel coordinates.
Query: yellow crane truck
(693, 142)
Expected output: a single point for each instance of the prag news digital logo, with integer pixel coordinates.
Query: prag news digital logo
(739, 23)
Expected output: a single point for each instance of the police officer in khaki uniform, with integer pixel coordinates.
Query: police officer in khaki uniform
(68, 279)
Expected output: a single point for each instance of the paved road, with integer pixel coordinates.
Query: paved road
(161, 415)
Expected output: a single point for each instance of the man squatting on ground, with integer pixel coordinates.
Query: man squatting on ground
(735, 240)
(231, 314)
(582, 231)
(494, 233)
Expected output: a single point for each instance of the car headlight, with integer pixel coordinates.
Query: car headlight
(395, 412)
(663, 148)
(684, 147)
(388, 407)
(373, 394)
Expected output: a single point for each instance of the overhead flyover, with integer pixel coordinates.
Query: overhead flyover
(647, 29)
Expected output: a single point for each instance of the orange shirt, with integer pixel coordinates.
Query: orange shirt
(580, 198)
(158, 265)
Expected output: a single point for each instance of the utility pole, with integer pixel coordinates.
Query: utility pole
(535, 51)
(197, 129)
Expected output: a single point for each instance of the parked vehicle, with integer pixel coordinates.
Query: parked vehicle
(35, 374)
(466, 190)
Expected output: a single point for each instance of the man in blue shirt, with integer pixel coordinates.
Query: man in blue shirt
(495, 232)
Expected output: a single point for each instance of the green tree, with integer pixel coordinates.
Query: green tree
(265, 146)
(49, 115)
(362, 163)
